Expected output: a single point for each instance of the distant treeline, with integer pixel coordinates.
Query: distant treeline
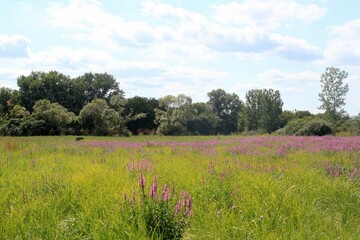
(51, 103)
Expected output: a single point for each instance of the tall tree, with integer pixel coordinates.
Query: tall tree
(52, 86)
(99, 85)
(55, 116)
(333, 92)
(262, 110)
(173, 114)
(227, 107)
(205, 120)
(138, 105)
(8, 98)
(98, 118)
(73, 94)
(118, 102)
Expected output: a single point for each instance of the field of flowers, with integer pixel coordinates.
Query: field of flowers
(154, 187)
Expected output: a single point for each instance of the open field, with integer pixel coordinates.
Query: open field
(240, 188)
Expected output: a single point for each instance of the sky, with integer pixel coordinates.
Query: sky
(159, 47)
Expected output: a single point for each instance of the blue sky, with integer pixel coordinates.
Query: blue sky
(157, 47)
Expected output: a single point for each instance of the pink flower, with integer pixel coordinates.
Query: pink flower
(155, 184)
(152, 192)
(166, 193)
(190, 202)
(141, 181)
(191, 214)
(178, 207)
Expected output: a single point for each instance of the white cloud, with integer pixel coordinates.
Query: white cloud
(13, 46)
(181, 33)
(266, 14)
(297, 49)
(191, 81)
(345, 48)
(172, 14)
(296, 82)
(156, 79)
(94, 24)
(248, 39)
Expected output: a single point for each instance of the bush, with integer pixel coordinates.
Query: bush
(351, 126)
(294, 126)
(315, 128)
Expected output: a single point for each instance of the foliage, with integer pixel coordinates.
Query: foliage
(97, 117)
(93, 103)
(288, 116)
(11, 124)
(333, 92)
(55, 116)
(226, 107)
(52, 86)
(98, 85)
(316, 127)
(8, 98)
(295, 125)
(351, 126)
(262, 111)
(204, 121)
(73, 94)
(137, 105)
(173, 114)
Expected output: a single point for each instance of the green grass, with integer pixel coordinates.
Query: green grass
(54, 188)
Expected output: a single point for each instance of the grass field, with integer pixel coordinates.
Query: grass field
(241, 188)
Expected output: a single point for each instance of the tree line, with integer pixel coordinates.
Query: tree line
(51, 103)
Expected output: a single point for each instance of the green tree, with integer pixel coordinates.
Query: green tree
(53, 86)
(333, 92)
(288, 116)
(137, 105)
(55, 116)
(118, 102)
(99, 85)
(262, 110)
(6, 94)
(204, 121)
(173, 114)
(227, 107)
(12, 121)
(73, 94)
(352, 125)
(98, 118)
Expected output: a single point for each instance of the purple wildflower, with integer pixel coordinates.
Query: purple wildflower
(141, 181)
(166, 193)
(178, 207)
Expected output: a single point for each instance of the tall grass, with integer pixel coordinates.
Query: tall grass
(242, 188)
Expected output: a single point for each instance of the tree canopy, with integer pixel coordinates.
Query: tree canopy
(93, 103)
(333, 92)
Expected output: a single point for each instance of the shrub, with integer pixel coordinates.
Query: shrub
(294, 126)
(351, 126)
(315, 128)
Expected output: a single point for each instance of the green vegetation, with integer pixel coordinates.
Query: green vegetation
(241, 188)
(93, 104)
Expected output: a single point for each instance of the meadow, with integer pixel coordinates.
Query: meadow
(261, 187)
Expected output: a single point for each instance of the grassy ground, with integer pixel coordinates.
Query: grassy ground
(242, 188)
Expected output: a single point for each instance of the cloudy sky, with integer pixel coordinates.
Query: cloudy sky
(159, 47)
